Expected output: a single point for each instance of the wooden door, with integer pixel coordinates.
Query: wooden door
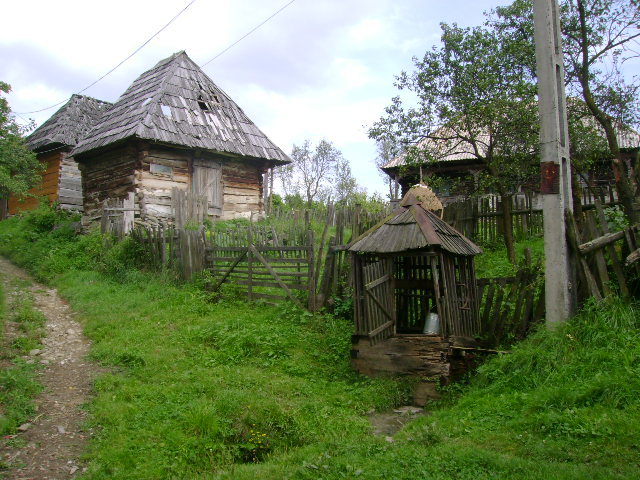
(379, 302)
(207, 181)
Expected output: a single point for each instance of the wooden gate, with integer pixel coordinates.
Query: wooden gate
(378, 316)
(262, 267)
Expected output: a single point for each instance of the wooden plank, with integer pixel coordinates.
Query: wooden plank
(601, 263)
(574, 240)
(616, 263)
(226, 274)
(381, 328)
(600, 242)
(262, 260)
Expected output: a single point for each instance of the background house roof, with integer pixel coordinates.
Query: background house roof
(447, 148)
(69, 124)
(175, 102)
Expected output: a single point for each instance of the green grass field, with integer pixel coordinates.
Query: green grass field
(201, 388)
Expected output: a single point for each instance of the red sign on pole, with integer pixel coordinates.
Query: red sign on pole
(549, 177)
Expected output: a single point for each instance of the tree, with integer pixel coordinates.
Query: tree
(387, 151)
(473, 97)
(312, 171)
(19, 168)
(345, 186)
(599, 36)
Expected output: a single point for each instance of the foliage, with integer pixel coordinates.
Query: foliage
(311, 172)
(18, 379)
(599, 36)
(19, 168)
(316, 175)
(387, 151)
(234, 390)
(473, 98)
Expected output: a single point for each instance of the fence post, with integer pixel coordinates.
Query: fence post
(312, 276)
(250, 259)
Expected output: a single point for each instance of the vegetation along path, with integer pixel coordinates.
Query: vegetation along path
(48, 446)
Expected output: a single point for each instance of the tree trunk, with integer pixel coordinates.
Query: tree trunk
(576, 193)
(507, 225)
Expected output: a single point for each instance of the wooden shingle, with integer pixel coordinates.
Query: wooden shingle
(176, 103)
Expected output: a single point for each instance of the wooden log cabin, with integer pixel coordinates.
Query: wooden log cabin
(52, 142)
(174, 128)
(415, 293)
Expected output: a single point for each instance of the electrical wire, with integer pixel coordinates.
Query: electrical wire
(247, 34)
(117, 66)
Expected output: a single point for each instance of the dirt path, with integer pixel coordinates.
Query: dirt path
(52, 441)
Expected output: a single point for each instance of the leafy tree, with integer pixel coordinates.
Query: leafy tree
(345, 185)
(19, 168)
(312, 171)
(599, 36)
(473, 97)
(387, 151)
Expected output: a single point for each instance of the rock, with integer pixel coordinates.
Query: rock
(74, 469)
(408, 410)
(24, 427)
(61, 429)
(35, 351)
(44, 362)
(389, 439)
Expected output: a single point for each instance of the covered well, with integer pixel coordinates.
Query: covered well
(413, 274)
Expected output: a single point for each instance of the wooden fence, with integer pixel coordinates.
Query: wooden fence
(480, 219)
(606, 260)
(511, 306)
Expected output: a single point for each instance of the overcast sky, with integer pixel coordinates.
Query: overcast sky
(319, 69)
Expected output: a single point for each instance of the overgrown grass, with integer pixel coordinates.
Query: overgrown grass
(199, 389)
(493, 261)
(18, 379)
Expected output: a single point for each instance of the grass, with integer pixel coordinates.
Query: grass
(493, 262)
(204, 389)
(18, 376)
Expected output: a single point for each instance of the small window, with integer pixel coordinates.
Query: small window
(203, 105)
(158, 169)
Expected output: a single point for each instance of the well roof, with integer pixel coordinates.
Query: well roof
(176, 103)
(69, 124)
(413, 226)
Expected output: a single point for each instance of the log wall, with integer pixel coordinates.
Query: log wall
(48, 187)
(70, 186)
(151, 171)
(108, 174)
(242, 189)
(425, 356)
(158, 170)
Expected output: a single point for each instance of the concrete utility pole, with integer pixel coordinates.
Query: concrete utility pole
(555, 166)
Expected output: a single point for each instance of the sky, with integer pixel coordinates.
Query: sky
(320, 69)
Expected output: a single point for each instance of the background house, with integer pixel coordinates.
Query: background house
(52, 142)
(174, 128)
(456, 165)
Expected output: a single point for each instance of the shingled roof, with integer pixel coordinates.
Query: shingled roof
(413, 226)
(176, 103)
(69, 124)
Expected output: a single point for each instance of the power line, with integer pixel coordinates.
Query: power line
(118, 65)
(248, 33)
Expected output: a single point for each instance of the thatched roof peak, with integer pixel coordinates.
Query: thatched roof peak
(421, 195)
(176, 103)
(69, 124)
